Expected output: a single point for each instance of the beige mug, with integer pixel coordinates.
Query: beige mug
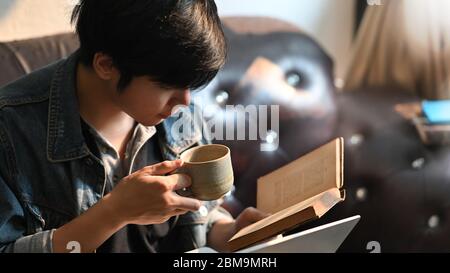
(210, 169)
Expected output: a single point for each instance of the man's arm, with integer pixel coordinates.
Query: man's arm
(12, 225)
(13, 222)
(143, 198)
(90, 230)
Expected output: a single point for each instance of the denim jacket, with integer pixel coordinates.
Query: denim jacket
(49, 176)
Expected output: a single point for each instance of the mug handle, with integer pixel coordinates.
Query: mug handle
(186, 192)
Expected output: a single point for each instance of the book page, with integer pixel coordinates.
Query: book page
(303, 178)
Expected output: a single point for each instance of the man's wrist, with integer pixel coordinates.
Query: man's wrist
(110, 215)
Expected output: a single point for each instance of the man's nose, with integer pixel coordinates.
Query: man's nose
(185, 97)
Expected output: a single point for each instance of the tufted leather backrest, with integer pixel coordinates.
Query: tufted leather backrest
(21, 57)
(272, 64)
(398, 185)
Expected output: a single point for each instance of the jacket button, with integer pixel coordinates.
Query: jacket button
(418, 163)
(271, 137)
(361, 194)
(116, 178)
(356, 139)
(433, 222)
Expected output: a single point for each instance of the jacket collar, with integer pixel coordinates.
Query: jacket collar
(65, 140)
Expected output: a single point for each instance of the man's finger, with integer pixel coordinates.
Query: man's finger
(179, 212)
(163, 167)
(184, 203)
(177, 181)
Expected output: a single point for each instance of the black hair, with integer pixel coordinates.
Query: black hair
(177, 43)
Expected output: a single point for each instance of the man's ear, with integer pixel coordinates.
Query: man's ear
(103, 66)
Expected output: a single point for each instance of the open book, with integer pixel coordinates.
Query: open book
(296, 193)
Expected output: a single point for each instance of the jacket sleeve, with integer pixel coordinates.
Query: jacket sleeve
(217, 214)
(13, 216)
(13, 227)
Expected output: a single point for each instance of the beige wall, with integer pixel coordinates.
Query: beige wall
(329, 21)
(20, 19)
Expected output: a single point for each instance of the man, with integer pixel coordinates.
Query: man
(82, 140)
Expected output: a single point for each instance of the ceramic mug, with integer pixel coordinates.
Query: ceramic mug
(210, 169)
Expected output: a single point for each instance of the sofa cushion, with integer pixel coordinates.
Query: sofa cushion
(21, 57)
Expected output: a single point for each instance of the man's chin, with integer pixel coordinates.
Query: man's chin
(152, 122)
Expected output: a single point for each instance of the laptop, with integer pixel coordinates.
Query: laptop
(322, 239)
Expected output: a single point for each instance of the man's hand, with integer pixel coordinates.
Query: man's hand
(223, 230)
(147, 196)
(248, 217)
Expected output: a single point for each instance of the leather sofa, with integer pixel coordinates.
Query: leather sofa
(398, 185)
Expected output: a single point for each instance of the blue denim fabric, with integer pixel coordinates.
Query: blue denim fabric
(48, 175)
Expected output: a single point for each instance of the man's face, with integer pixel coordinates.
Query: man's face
(144, 100)
(147, 102)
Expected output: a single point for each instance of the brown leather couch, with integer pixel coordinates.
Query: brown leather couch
(399, 186)
(395, 182)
